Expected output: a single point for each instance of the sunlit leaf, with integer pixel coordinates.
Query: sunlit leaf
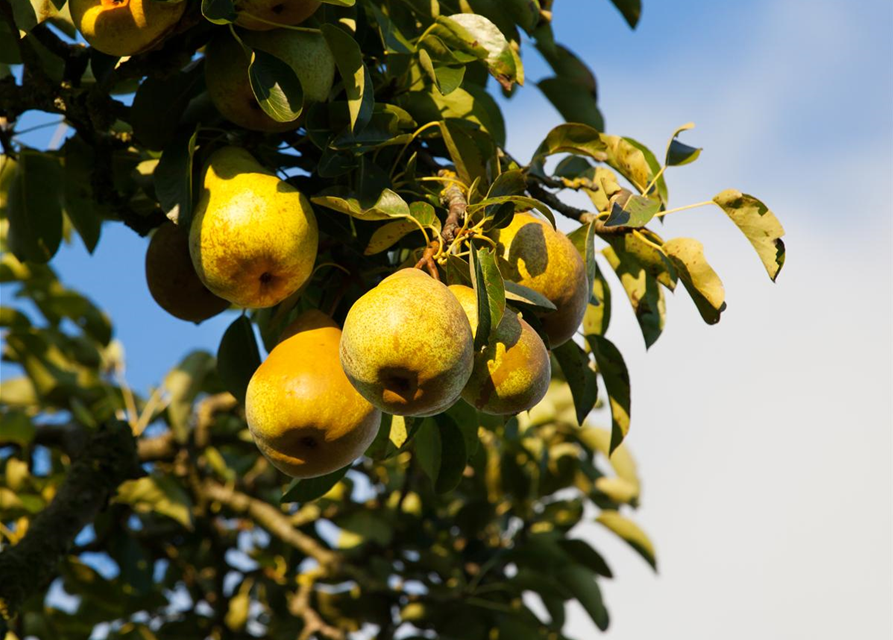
(760, 226)
(629, 531)
(699, 278)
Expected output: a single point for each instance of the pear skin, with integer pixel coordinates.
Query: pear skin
(511, 374)
(407, 345)
(226, 74)
(172, 280)
(253, 238)
(263, 15)
(545, 260)
(305, 416)
(125, 27)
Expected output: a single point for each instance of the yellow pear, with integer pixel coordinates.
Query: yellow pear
(253, 239)
(543, 259)
(172, 280)
(407, 345)
(125, 27)
(305, 416)
(226, 73)
(511, 374)
(263, 15)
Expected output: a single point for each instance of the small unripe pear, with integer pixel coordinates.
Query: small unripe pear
(172, 280)
(226, 73)
(253, 239)
(545, 260)
(125, 27)
(263, 15)
(407, 345)
(305, 416)
(511, 374)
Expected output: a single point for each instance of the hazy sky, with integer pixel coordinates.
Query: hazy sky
(764, 442)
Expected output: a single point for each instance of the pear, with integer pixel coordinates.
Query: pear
(253, 239)
(545, 260)
(305, 416)
(125, 27)
(226, 73)
(172, 280)
(407, 345)
(511, 374)
(263, 15)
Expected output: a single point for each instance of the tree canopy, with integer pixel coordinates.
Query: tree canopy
(156, 511)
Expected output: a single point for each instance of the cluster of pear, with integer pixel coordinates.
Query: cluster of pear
(129, 27)
(407, 347)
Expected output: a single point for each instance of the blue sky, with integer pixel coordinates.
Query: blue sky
(764, 442)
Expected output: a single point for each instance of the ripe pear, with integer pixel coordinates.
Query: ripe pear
(511, 374)
(253, 239)
(263, 15)
(226, 73)
(172, 280)
(125, 27)
(545, 260)
(407, 345)
(305, 416)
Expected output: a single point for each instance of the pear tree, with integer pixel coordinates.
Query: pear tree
(416, 400)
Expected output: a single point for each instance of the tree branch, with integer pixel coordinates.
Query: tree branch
(299, 605)
(456, 203)
(271, 519)
(584, 217)
(107, 459)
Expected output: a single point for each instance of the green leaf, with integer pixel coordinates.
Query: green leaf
(630, 532)
(387, 235)
(598, 312)
(645, 247)
(635, 162)
(579, 139)
(583, 239)
(307, 489)
(158, 494)
(349, 60)
(440, 451)
(644, 293)
(219, 11)
(758, 224)
(633, 211)
(183, 383)
(613, 371)
(173, 177)
(526, 298)
(447, 78)
(490, 289)
(276, 86)
(582, 583)
(238, 357)
(678, 153)
(630, 9)
(467, 419)
(159, 103)
(583, 554)
(388, 204)
(80, 206)
(573, 101)
(15, 427)
(34, 207)
(521, 204)
(581, 378)
(502, 60)
(699, 278)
